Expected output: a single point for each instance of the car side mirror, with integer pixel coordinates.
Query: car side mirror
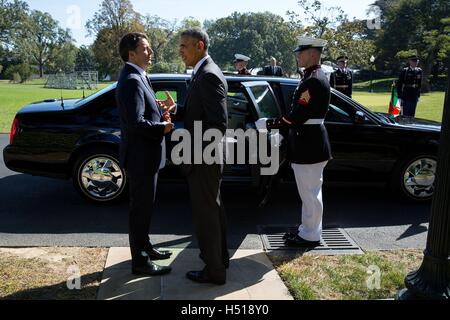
(360, 118)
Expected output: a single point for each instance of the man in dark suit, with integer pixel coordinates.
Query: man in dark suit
(206, 103)
(273, 69)
(143, 126)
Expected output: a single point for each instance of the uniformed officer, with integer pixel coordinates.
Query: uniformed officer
(342, 78)
(308, 145)
(409, 85)
(240, 63)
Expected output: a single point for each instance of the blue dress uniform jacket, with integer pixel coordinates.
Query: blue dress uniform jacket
(342, 81)
(409, 84)
(309, 143)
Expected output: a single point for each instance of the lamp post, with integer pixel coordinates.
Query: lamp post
(372, 62)
(432, 280)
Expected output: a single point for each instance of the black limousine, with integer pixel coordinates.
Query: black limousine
(80, 140)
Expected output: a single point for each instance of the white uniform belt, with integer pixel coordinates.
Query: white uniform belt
(314, 122)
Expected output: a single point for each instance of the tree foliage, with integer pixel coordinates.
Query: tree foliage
(420, 26)
(114, 19)
(12, 14)
(257, 35)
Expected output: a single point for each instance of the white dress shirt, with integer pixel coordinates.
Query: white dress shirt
(199, 64)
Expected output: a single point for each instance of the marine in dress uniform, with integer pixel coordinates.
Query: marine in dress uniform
(240, 63)
(409, 86)
(342, 78)
(308, 145)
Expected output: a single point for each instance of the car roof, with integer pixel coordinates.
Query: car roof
(228, 77)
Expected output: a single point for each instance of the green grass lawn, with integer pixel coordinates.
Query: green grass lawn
(14, 96)
(430, 105)
(346, 277)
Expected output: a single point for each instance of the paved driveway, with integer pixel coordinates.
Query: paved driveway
(36, 211)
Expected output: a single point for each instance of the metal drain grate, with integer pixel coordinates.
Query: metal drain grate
(333, 242)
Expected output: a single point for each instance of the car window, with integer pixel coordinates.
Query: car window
(340, 111)
(161, 94)
(104, 108)
(238, 109)
(266, 102)
(176, 89)
(97, 94)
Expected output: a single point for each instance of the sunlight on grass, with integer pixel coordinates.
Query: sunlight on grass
(346, 277)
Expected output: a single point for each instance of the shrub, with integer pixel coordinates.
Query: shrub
(18, 73)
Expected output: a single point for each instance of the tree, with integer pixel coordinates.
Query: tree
(12, 14)
(160, 32)
(319, 17)
(419, 25)
(64, 59)
(41, 40)
(85, 60)
(258, 35)
(114, 19)
(332, 24)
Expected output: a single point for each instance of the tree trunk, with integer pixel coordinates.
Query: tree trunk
(427, 69)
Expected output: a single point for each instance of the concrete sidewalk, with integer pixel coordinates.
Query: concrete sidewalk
(251, 276)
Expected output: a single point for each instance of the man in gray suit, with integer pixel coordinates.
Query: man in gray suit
(206, 102)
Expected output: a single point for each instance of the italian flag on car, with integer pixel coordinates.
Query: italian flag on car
(395, 104)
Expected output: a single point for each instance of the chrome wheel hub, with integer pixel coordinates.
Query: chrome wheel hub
(419, 178)
(102, 178)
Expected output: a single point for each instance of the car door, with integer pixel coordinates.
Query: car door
(264, 104)
(358, 143)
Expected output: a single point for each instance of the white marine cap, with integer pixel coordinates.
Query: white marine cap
(240, 57)
(309, 42)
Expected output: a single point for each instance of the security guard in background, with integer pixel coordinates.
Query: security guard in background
(241, 63)
(409, 85)
(342, 78)
(308, 145)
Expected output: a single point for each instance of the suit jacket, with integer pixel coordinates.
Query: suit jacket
(277, 72)
(141, 120)
(206, 99)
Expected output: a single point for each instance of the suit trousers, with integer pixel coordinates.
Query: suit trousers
(142, 186)
(309, 179)
(209, 217)
(409, 108)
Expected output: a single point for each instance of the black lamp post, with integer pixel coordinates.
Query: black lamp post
(432, 280)
(372, 63)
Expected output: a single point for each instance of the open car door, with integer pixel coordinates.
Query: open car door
(262, 97)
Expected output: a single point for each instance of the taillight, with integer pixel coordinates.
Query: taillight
(14, 128)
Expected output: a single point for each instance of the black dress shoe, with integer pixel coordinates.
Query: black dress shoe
(298, 241)
(289, 234)
(150, 269)
(155, 254)
(200, 277)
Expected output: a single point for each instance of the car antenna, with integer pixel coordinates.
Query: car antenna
(62, 100)
(84, 97)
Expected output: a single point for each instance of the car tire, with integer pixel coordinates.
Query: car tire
(98, 177)
(414, 177)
